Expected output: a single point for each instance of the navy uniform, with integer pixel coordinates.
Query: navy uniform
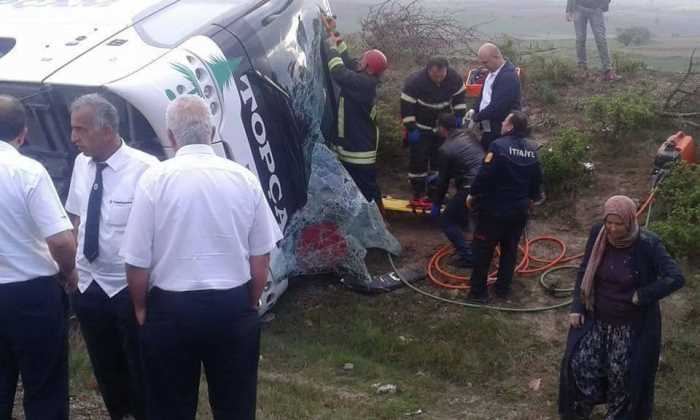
(358, 136)
(460, 158)
(509, 179)
(421, 102)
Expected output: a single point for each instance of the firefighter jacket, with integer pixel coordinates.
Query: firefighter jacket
(422, 100)
(358, 136)
(459, 158)
(509, 178)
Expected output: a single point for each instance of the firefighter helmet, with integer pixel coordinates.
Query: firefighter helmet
(374, 62)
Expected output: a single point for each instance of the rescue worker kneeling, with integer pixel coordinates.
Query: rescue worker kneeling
(507, 184)
(459, 159)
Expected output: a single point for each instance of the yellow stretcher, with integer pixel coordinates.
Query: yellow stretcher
(403, 206)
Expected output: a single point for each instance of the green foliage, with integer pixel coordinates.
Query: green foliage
(510, 49)
(626, 64)
(635, 35)
(677, 209)
(546, 93)
(389, 124)
(563, 161)
(620, 116)
(554, 70)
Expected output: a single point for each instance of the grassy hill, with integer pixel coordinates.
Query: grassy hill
(675, 27)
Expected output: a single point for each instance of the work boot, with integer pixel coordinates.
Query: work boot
(581, 72)
(502, 295)
(478, 299)
(460, 261)
(611, 76)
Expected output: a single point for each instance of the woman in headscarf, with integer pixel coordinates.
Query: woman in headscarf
(614, 341)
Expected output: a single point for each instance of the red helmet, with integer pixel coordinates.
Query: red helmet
(374, 62)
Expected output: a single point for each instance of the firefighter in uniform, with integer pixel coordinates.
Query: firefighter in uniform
(358, 136)
(504, 189)
(426, 94)
(459, 158)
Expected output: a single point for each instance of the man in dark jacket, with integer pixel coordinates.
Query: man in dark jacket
(459, 158)
(426, 94)
(505, 187)
(358, 137)
(500, 94)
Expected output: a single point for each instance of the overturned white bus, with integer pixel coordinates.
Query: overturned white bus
(260, 66)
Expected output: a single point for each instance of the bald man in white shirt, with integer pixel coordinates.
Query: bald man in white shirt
(197, 251)
(37, 257)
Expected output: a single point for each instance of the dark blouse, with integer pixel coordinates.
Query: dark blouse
(614, 287)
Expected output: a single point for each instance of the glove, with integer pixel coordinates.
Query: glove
(459, 121)
(469, 202)
(414, 137)
(470, 115)
(435, 210)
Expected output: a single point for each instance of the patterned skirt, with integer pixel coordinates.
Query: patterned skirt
(601, 369)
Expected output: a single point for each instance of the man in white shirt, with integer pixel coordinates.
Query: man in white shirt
(37, 256)
(500, 94)
(99, 201)
(199, 237)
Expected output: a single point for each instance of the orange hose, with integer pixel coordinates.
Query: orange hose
(529, 265)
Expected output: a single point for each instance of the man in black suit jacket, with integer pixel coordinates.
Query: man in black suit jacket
(500, 94)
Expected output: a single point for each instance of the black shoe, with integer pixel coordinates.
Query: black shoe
(460, 262)
(478, 299)
(502, 295)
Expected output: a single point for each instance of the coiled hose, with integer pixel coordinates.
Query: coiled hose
(529, 265)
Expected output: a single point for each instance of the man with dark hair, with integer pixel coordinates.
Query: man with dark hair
(459, 159)
(583, 12)
(99, 202)
(507, 184)
(427, 93)
(500, 94)
(37, 257)
(358, 136)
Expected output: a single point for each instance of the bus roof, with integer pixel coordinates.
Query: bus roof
(94, 42)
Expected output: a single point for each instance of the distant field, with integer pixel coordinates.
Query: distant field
(544, 21)
(668, 54)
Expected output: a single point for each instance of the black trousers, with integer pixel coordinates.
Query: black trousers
(185, 330)
(423, 158)
(491, 231)
(365, 177)
(453, 222)
(34, 344)
(109, 329)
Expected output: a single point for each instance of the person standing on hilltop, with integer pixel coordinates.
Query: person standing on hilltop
(581, 12)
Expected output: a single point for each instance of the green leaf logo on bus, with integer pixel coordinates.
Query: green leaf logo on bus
(206, 78)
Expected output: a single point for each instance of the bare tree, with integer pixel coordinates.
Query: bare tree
(403, 29)
(684, 100)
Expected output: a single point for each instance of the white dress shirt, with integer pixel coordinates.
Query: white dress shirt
(30, 212)
(119, 179)
(196, 220)
(487, 92)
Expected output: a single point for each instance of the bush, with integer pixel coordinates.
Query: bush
(554, 70)
(677, 208)
(620, 116)
(390, 131)
(636, 35)
(625, 64)
(563, 161)
(546, 93)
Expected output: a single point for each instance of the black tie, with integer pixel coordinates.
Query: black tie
(92, 223)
